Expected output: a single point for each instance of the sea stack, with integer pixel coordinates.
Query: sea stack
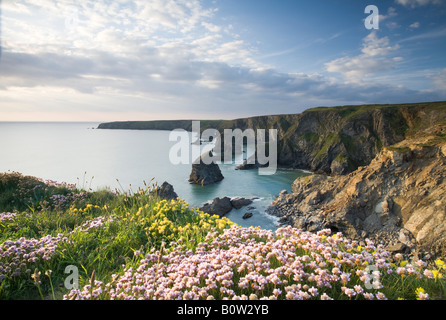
(205, 174)
(166, 191)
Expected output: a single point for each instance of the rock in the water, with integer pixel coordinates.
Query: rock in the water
(205, 174)
(166, 191)
(247, 215)
(251, 163)
(222, 206)
(218, 206)
(239, 202)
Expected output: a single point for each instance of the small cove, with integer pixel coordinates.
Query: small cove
(126, 160)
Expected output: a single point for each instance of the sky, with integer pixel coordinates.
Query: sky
(126, 60)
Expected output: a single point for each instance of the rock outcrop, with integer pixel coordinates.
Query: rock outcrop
(239, 202)
(222, 206)
(166, 191)
(219, 206)
(399, 198)
(247, 215)
(205, 174)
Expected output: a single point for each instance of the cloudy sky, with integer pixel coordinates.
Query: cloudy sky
(102, 60)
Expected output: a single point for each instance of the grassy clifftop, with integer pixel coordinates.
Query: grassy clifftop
(138, 246)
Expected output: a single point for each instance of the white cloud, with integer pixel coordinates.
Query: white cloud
(374, 46)
(417, 3)
(391, 12)
(177, 31)
(160, 56)
(373, 59)
(415, 25)
(211, 27)
(439, 80)
(432, 34)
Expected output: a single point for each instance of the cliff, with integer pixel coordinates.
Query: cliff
(335, 140)
(158, 125)
(399, 198)
(379, 171)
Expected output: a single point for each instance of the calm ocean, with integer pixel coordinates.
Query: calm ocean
(76, 153)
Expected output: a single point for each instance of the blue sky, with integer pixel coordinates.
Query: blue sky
(191, 59)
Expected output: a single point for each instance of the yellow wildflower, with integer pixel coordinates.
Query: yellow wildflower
(421, 294)
(437, 274)
(419, 290)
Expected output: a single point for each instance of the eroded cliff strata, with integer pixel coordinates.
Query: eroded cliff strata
(398, 199)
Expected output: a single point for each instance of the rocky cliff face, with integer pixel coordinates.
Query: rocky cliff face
(324, 140)
(399, 198)
(339, 140)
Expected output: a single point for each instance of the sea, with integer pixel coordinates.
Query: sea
(125, 160)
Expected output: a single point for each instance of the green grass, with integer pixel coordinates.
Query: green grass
(329, 141)
(398, 149)
(133, 222)
(103, 234)
(352, 110)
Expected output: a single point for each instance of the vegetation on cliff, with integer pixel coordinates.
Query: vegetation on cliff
(138, 246)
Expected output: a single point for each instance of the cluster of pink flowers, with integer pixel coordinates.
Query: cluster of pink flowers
(17, 257)
(8, 216)
(250, 263)
(410, 269)
(98, 222)
(54, 183)
(60, 201)
(88, 292)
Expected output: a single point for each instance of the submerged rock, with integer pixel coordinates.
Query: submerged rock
(247, 215)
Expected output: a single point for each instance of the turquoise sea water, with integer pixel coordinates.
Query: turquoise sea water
(125, 159)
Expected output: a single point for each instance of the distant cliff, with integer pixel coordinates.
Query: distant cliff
(148, 125)
(329, 140)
